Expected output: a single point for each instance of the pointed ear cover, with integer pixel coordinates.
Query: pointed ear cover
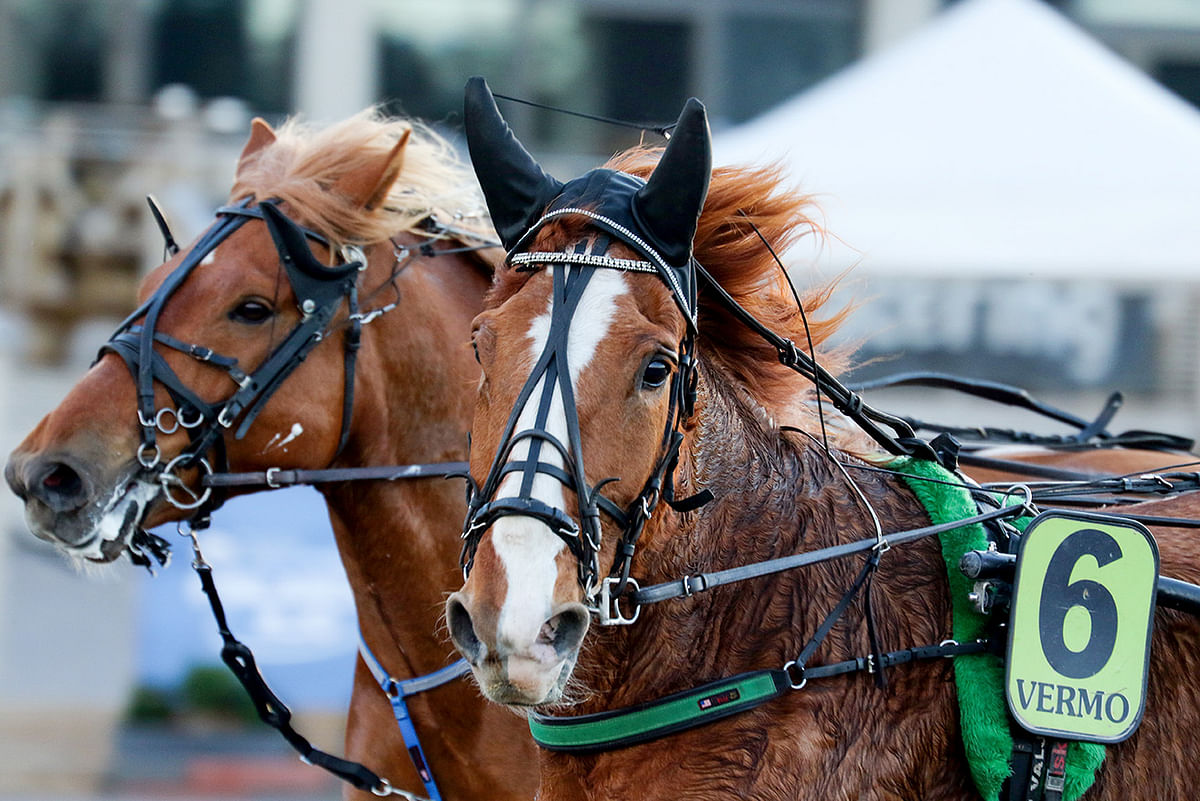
(292, 245)
(668, 207)
(516, 188)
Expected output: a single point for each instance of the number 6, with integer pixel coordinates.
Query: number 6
(1060, 595)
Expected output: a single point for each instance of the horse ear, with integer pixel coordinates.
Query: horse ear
(668, 206)
(368, 186)
(261, 136)
(517, 190)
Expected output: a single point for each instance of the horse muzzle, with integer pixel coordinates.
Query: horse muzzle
(513, 668)
(66, 503)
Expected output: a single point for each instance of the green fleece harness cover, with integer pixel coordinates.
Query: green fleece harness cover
(980, 677)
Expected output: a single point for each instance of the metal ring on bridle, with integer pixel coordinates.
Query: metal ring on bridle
(143, 460)
(169, 480)
(788, 669)
(160, 420)
(353, 253)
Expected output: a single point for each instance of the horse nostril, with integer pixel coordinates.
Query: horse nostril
(60, 487)
(13, 476)
(565, 630)
(462, 630)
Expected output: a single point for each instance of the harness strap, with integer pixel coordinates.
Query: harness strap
(904, 442)
(397, 692)
(275, 477)
(620, 728)
(689, 585)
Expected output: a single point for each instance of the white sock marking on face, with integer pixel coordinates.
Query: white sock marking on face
(525, 546)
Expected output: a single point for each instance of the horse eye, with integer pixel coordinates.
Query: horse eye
(475, 350)
(252, 312)
(655, 373)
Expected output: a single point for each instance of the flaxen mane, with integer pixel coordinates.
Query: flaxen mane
(304, 162)
(740, 202)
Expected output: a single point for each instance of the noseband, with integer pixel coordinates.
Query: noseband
(319, 290)
(571, 273)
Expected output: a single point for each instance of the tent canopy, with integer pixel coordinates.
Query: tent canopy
(998, 140)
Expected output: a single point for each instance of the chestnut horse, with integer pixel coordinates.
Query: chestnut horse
(611, 380)
(92, 475)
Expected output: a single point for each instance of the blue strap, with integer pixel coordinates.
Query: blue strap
(397, 691)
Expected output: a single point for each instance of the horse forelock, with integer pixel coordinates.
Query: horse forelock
(305, 161)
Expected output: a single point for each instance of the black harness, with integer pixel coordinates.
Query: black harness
(319, 290)
(572, 271)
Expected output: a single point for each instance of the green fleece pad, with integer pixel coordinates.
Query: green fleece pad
(980, 677)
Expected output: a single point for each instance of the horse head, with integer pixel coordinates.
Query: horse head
(586, 348)
(237, 355)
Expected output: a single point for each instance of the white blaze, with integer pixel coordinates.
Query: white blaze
(525, 546)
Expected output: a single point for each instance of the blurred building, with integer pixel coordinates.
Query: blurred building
(103, 101)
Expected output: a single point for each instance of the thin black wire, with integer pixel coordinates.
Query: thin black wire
(662, 130)
(803, 318)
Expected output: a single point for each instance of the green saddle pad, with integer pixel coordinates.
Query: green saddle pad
(979, 678)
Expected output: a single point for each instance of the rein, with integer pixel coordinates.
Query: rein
(1091, 433)
(619, 728)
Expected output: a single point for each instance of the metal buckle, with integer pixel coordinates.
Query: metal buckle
(185, 530)
(272, 472)
(608, 607)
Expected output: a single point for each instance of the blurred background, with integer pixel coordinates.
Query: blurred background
(1014, 182)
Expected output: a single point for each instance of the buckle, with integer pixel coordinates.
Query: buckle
(693, 584)
(608, 606)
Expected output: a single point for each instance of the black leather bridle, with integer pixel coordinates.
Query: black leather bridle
(571, 272)
(319, 291)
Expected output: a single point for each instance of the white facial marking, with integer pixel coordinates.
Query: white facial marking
(210, 258)
(526, 546)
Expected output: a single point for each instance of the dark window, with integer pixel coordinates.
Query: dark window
(645, 64)
(1181, 77)
(71, 54)
(202, 43)
(769, 58)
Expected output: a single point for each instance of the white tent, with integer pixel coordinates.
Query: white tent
(998, 140)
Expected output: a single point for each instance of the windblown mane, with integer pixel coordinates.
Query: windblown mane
(741, 200)
(304, 162)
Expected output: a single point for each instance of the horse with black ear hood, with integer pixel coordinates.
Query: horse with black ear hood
(662, 212)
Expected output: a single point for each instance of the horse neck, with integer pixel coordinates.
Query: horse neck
(398, 539)
(776, 494)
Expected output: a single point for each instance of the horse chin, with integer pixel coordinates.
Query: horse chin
(523, 690)
(102, 531)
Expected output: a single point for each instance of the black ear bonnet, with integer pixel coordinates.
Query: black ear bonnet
(657, 218)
